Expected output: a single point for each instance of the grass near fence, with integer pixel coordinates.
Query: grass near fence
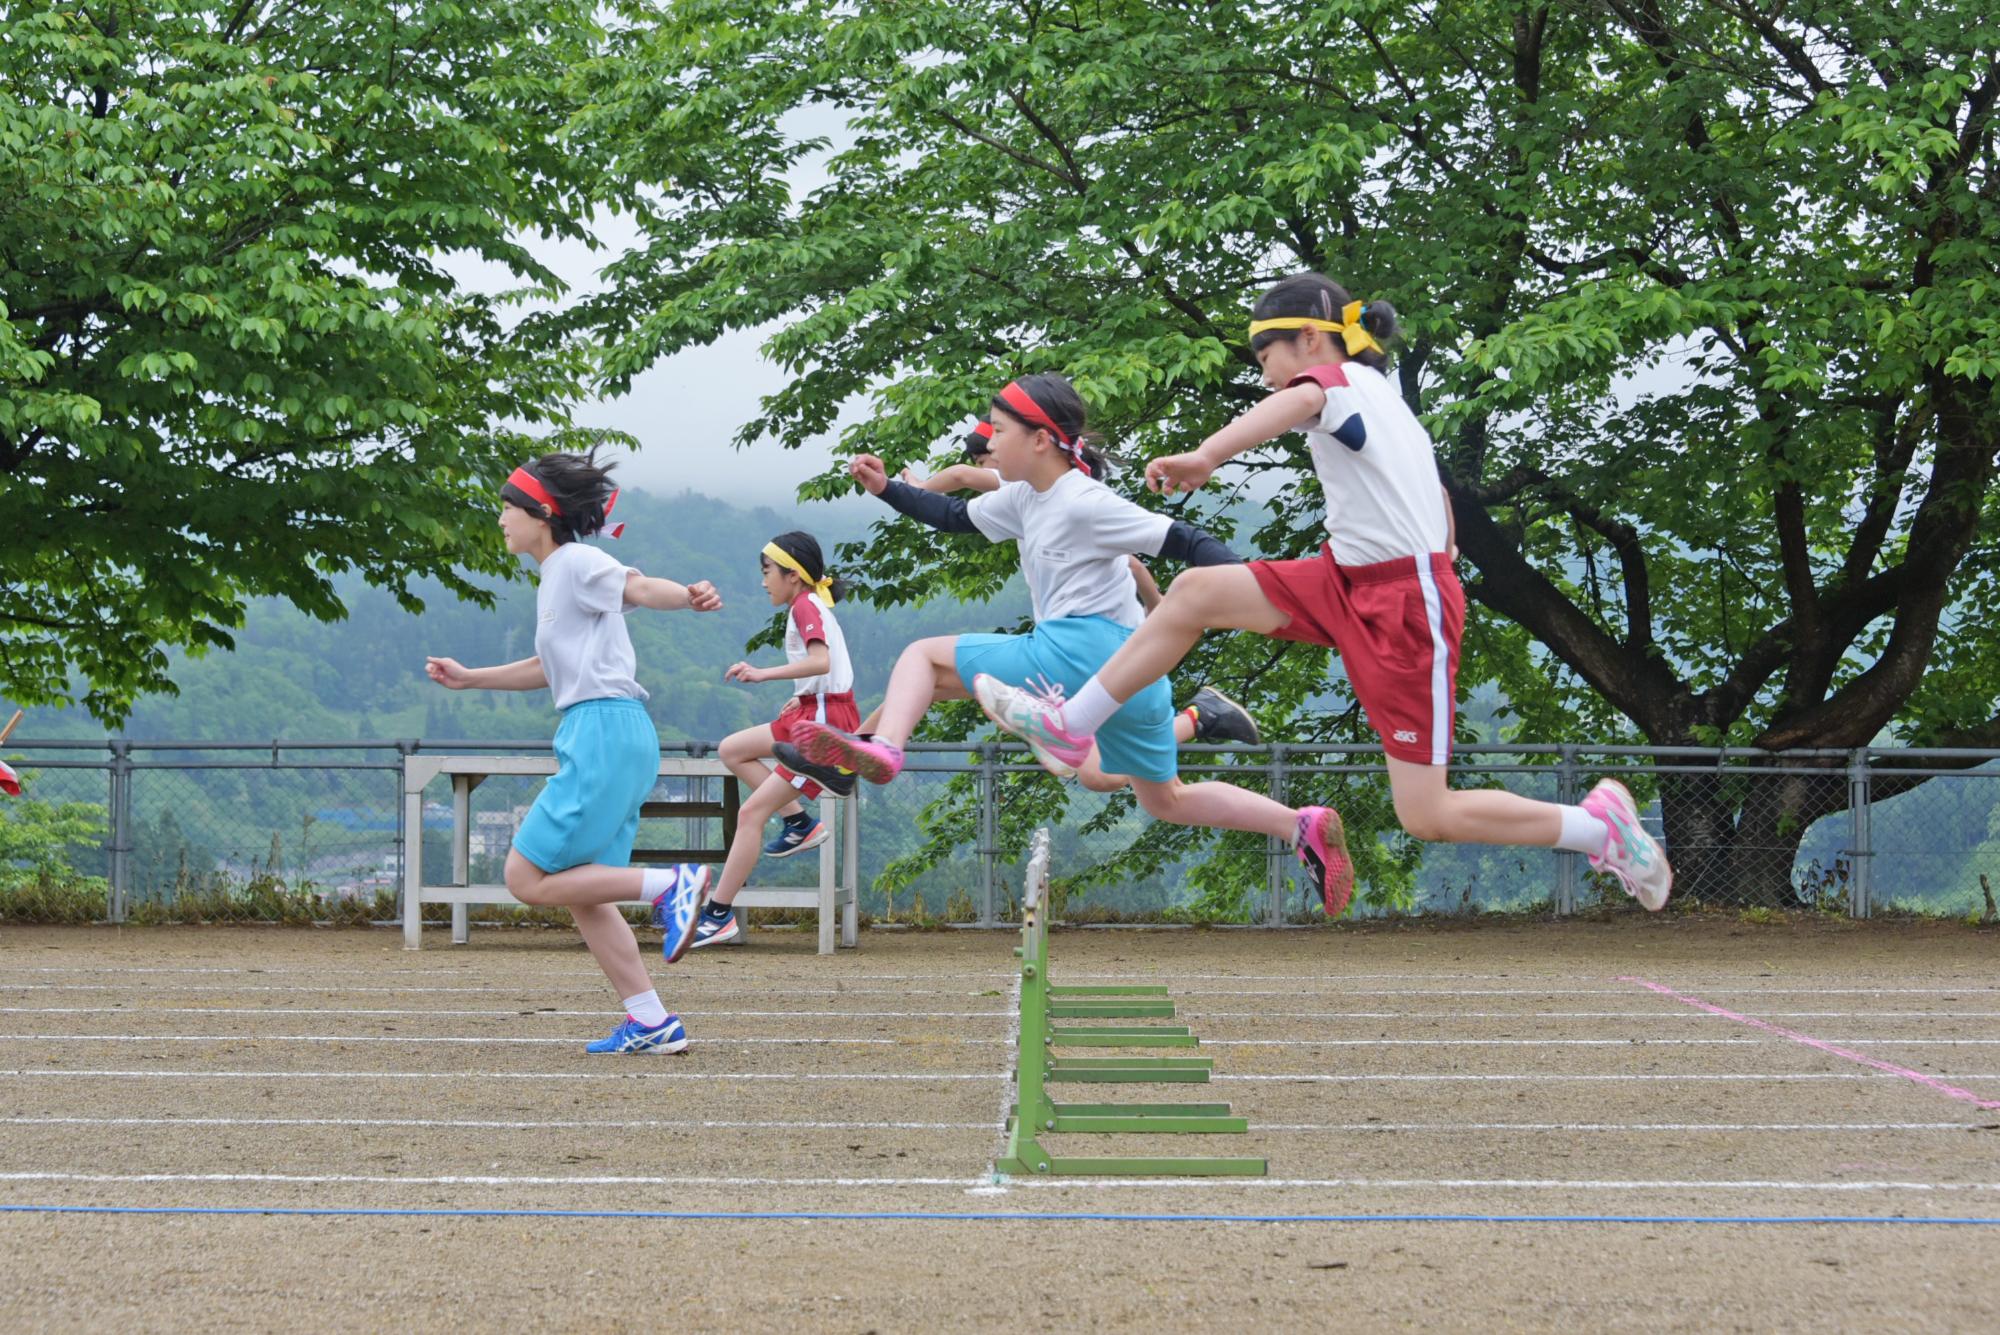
(59, 898)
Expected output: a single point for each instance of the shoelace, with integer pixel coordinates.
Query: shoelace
(1049, 694)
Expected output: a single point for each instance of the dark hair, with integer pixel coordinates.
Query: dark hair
(579, 485)
(978, 445)
(1320, 298)
(804, 548)
(1054, 395)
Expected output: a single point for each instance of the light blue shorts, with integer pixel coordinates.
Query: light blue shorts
(607, 760)
(1138, 740)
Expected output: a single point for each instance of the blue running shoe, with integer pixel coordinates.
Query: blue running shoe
(718, 926)
(676, 911)
(792, 839)
(631, 1036)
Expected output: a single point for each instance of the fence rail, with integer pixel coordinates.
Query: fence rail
(147, 830)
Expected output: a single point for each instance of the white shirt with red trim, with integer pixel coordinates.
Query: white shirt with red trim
(808, 620)
(1384, 499)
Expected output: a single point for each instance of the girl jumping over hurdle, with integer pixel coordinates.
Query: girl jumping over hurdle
(1210, 717)
(795, 578)
(1075, 535)
(1381, 593)
(575, 845)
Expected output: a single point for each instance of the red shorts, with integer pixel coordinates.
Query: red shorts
(836, 711)
(1396, 627)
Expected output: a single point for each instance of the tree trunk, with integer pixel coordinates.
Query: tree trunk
(1734, 834)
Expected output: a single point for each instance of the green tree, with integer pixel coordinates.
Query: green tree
(40, 836)
(232, 361)
(1698, 295)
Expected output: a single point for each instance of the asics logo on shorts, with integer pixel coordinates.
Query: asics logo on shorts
(1405, 735)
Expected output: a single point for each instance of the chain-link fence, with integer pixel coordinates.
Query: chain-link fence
(130, 831)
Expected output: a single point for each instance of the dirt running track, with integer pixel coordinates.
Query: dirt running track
(1603, 1132)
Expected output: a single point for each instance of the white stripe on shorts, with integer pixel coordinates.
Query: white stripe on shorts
(1440, 663)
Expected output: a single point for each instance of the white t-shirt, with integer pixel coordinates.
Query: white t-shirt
(580, 627)
(810, 619)
(1383, 496)
(1074, 540)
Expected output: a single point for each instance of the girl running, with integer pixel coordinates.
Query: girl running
(1075, 535)
(816, 658)
(574, 846)
(1381, 593)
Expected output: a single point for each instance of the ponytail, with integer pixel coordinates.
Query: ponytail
(1315, 297)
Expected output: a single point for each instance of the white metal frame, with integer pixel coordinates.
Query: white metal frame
(836, 895)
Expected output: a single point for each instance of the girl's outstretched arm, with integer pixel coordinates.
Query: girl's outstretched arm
(1287, 410)
(525, 675)
(817, 663)
(663, 595)
(959, 477)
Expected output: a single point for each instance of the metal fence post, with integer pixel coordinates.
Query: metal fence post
(404, 748)
(1566, 862)
(120, 877)
(989, 830)
(1861, 878)
(1277, 858)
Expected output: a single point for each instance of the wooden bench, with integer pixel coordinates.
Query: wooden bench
(835, 897)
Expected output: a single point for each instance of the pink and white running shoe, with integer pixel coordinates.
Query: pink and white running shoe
(1322, 846)
(1036, 718)
(1630, 854)
(877, 762)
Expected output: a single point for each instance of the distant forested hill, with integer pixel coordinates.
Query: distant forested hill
(297, 678)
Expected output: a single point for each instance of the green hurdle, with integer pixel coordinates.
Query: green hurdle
(1037, 1067)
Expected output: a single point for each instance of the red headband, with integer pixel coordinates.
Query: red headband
(1028, 410)
(984, 431)
(531, 486)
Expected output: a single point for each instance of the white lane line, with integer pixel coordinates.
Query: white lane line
(511, 987)
(905, 1042)
(485, 1042)
(1681, 1014)
(1378, 1077)
(480, 1124)
(669, 1124)
(496, 1075)
(568, 975)
(695, 986)
(1555, 1076)
(515, 1013)
(1629, 1128)
(1205, 1184)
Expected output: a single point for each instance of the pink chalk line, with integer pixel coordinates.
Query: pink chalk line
(1821, 1044)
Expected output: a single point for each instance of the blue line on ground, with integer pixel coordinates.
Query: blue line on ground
(991, 1216)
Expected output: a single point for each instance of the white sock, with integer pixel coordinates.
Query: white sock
(1582, 832)
(647, 1009)
(656, 881)
(1090, 709)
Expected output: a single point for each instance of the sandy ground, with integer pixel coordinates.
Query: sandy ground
(1602, 1132)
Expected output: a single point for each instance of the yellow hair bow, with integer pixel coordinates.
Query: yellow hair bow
(778, 556)
(1349, 327)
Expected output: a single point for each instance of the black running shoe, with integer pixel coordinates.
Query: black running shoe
(839, 782)
(1217, 718)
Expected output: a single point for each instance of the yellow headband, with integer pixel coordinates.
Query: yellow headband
(778, 556)
(1349, 326)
